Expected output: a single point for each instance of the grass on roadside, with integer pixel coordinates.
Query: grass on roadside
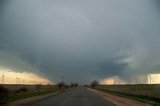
(136, 92)
(22, 96)
(14, 93)
(140, 98)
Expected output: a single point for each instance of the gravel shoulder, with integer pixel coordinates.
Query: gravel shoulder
(119, 101)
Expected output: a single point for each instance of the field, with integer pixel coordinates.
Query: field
(141, 92)
(10, 93)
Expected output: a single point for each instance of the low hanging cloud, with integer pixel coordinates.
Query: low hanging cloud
(81, 40)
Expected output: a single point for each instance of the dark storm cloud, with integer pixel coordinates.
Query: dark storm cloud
(81, 40)
(111, 67)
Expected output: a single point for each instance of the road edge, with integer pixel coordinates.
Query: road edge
(117, 100)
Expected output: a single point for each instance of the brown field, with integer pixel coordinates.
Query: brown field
(31, 88)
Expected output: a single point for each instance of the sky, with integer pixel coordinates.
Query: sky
(81, 40)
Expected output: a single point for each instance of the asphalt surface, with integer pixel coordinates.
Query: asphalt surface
(79, 96)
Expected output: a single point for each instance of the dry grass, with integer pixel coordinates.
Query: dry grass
(16, 92)
(118, 100)
(142, 92)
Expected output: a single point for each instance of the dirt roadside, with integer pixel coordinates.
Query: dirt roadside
(119, 101)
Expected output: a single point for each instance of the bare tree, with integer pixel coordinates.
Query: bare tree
(94, 83)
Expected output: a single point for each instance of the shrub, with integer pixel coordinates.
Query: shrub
(76, 84)
(21, 90)
(61, 85)
(38, 87)
(3, 95)
(72, 85)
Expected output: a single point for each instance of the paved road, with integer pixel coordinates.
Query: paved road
(79, 96)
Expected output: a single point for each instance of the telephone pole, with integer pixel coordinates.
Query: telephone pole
(3, 78)
(16, 80)
(149, 79)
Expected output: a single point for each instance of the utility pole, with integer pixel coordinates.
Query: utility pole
(19, 80)
(16, 80)
(130, 81)
(3, 78)
(149, 79)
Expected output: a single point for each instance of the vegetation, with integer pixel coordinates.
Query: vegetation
(38, 86)
(61, 85)
(74, 84)
(141, 92)
(3, 94)
(94, 84)
(10, 93)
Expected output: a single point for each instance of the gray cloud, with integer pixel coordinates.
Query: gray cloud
(81, 40)
(111, 67)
